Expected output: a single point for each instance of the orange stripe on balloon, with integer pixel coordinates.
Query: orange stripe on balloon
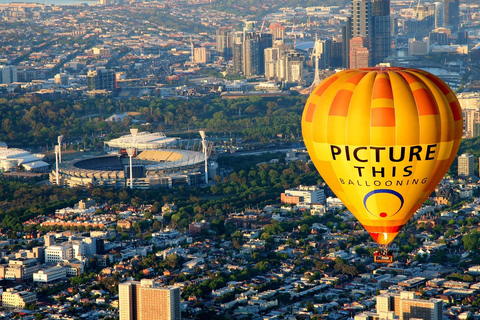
(383, 117)
(309, 112)
(325, 85)
(382, 89)
(457, 112)
(356, 78)
(341, 103)
(439, 83)
(425, 102)
(408, 77)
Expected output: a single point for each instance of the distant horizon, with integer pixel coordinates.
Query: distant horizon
(50, 2)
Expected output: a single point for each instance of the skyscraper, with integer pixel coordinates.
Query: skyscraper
(359, 53)
(224, 43)
(381, 34)
(361, 18)
(294, 67)
(438, 14)
(451, 15)
(146, 301)
(465, 165)
(101, 79)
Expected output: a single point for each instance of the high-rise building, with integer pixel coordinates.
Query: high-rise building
(361, 18)
(8, 74)
(438, 14)
(406, 305)
(146, 300)
(272, 60)
(294, 67)
(346, 37)
(224, 43)
(451, 15)
(278, 32)
(61, 79)
(101, 79)
(381, 33)
(465, 165)
(201, 55)
(359, 53)
(249, 50)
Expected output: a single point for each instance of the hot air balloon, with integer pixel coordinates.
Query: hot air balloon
(382, 139)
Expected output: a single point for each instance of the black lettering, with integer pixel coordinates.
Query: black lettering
(342, 181)
(381, 171)
(359, 170)
(350, 182)
(415, 151)
(399, 182)
(392, 154)
(394, 171)
(347, 152)
(424, 180)
(414, 181)
(335, 151)
(355, 154)
(430, 152)
(359, 184)
(377, 183)
(388, 183)
(377, 152)
(366, 184)
(407, 170)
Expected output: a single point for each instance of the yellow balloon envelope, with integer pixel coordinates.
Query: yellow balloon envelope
(382, 139)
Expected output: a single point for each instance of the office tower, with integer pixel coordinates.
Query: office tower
(237, 43)
(250, 54)
(336, 55)
(361, 18)
(439, 38)
(346, 37)
(8, 74)
(294, 67)
(101, 79)
(201, 55)
(272, 60)
(278, 32)
(451, 15)
(359, 53)
(406, 305)
(249, 50)
(224, 43)
(381, 34)
(462, 37)
(438, 14)
(146, 300)
(465, 165)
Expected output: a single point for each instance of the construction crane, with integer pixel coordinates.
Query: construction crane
(263, 24)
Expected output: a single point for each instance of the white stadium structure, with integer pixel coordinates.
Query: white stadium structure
(156, 163)
(12, 158)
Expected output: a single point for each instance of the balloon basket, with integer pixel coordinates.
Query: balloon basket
(383, 256)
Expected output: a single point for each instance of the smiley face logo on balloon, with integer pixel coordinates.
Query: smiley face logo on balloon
(384, 203)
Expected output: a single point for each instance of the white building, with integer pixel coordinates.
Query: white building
(50, 275)
(59, 253)
(465, 165)
(17, 299)
(8, 74)
(304, 194)
(12, 158)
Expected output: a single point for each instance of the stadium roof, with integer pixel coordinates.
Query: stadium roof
(142, 141)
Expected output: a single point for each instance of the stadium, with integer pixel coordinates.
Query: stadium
(157, 161)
